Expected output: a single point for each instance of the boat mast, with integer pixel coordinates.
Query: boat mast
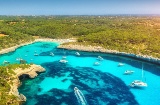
(142, 70)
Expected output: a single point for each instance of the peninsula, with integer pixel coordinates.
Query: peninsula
(11, 82)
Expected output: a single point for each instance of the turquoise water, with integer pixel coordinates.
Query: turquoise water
(104, 84)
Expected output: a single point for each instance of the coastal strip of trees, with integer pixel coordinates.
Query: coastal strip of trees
(131, 34)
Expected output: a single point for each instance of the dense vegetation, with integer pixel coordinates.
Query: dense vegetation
(7, 76)
(133, 34)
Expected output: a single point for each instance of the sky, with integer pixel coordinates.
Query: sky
(78, 7)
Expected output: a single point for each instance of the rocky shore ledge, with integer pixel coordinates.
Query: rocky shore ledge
(31, 71)
(103, 50)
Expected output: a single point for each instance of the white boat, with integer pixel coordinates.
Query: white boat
(96, 64)
(63, 61)
(6, 62)
(99, 58)
(64, 57)
(35, 54)
(128, 72)
(120, 64)
(139, 83)
(77, 53)
(18, 59)
(80, 97)
(51, 54)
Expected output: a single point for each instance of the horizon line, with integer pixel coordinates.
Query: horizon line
(92, 15)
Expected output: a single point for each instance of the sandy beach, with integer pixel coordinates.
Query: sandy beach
(60, 41)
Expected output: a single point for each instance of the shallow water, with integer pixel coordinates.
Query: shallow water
(101, 85)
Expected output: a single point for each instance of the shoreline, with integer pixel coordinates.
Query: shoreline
(60, 41)
(90, 48)
(32, 71)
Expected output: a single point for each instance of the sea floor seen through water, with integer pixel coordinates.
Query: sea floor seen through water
(101, 81)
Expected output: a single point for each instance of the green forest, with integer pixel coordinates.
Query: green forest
(132, 34)
(7, 75)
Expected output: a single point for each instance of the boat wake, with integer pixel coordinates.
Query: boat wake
(80, 97)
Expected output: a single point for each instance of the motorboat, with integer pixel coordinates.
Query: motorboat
(64, 57)
(99, 58)
(80, 97)
(18, 59)
(138, 83)
(63, 61)
(51, 54)
(77, 53)
(128, 72)
(96, 64)
(35, 54)
(120, 64)
(6, 62)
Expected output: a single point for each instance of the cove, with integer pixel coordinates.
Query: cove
(104, 84)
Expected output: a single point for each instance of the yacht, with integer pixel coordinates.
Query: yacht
(18, 59)
(77, 53)
(128, 72)
(51, 54)
(6, 62)
(35, 54)
(99, 58)
(80, 97)
(138, 83)
(64, 57)
(120, 64)
(63, 61)
(96, 64)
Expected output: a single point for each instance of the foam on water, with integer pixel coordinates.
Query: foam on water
(101, 85)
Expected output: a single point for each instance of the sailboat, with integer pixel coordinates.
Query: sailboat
(77, 54)
(139, 83)
(99, 58)
(96, 64)
(63, 60)
(128, 72)
(80, 97)
(51, 54)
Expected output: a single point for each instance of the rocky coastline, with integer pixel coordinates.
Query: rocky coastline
(90, 48)
(83, 48)
(31, 72)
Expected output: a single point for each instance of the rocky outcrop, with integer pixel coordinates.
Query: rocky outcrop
(31, 71)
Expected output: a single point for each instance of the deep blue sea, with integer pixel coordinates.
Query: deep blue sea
(104, 84)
